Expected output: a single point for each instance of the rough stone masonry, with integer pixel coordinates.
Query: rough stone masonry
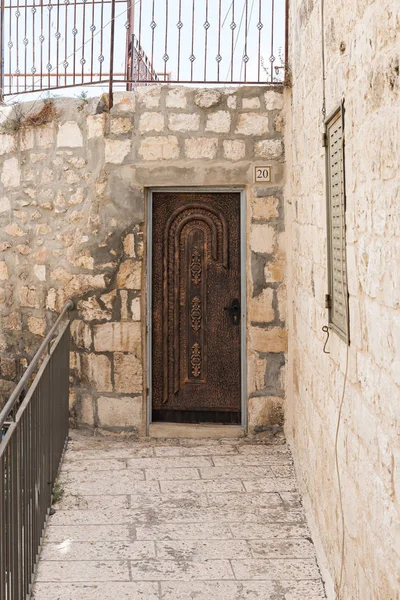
(72, 219)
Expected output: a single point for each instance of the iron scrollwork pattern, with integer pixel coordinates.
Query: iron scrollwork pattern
(195, 267)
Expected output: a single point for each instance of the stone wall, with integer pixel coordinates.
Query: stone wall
(72, 218)
(362, 66)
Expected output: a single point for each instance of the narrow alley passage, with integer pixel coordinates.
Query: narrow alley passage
(177, 520)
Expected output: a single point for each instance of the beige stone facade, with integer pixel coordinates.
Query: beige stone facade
(362, 67)
(73, 223)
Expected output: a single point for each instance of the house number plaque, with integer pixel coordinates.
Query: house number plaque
(262, 173)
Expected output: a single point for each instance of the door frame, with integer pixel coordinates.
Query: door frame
(243, 290)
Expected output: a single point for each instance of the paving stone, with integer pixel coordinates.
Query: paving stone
(118, 453)
(189, 531)
(286, 548)
(59, 571)
(236, 472)
(118, 482)
(270, 484)
(203, 550)
(299, 568)
(109, 464)
(246, 500)
(161, 570)
(252, 460)
(92, 502)
(87, 533)
(175, 462)
(211, 450)
(172, 474)
(281, 530)
(101, 550)
(200, 487)
(97, 591)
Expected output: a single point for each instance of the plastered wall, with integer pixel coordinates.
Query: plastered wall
(362, 67)
(73, 223)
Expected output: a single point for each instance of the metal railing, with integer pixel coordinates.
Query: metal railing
(53, 44)
(34, 430)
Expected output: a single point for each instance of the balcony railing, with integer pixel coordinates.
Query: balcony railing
(53, 44)
(33, 434)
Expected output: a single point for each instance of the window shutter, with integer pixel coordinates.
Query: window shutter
(338, 292)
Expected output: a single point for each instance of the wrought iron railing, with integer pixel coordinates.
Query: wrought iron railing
(53, 44)
(34, 430)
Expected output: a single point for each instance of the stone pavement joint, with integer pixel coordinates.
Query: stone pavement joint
(178, 520)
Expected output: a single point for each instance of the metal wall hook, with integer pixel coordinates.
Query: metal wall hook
(325, 329)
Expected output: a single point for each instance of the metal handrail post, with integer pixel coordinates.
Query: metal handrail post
(112, 42)
(2, 52)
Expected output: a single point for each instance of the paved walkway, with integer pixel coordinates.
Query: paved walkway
(178, 520)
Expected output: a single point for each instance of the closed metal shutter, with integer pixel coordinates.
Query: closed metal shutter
(338, 305)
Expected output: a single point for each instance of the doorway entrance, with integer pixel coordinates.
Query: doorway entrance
(196, 307)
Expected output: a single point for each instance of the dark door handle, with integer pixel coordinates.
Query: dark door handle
(234, 311)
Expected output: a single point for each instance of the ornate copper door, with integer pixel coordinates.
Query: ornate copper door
(196, 308)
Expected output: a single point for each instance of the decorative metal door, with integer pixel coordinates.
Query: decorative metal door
(196, 307)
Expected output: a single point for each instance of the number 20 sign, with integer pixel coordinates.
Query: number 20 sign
(262, 173)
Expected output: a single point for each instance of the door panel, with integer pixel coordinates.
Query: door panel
(196, 275)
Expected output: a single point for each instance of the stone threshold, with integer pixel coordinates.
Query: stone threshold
(188, 430)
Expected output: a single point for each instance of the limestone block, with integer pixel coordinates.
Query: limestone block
(269, 149)
(119, 412)
(201, 148)
(176, 98)
(85, 410)
(262, 238)
(96, 371)
(7, 143)
(37, 326)
(207, 98)
(252, 124)
(4, 246)
(159, 148)
(45, 136)
(120, 125)
(5, 205)
(8, 368)
(11, 173)
(26, 140)
(231, 102)
(129, 245)
(261, 309)
(129, 275)
(135, 309)
(109, 298)
(149, 96)
(184, 122)
(69, 135)
(13, 321)
(3, 271)
(118, 337)
(95, 125)
(275, 270)
(128, 376)
(234, 149)
(90, 310)
(264, 209)
(81, 334)
(272, 339)
(251, 103)
(282, 302)
(124, 102)
(257, 369)
(265, 411)
(273, 100)
(220, 122)
(151, 121)
(77, 284)
(116, 150)
(28, 297)
(123, 294)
